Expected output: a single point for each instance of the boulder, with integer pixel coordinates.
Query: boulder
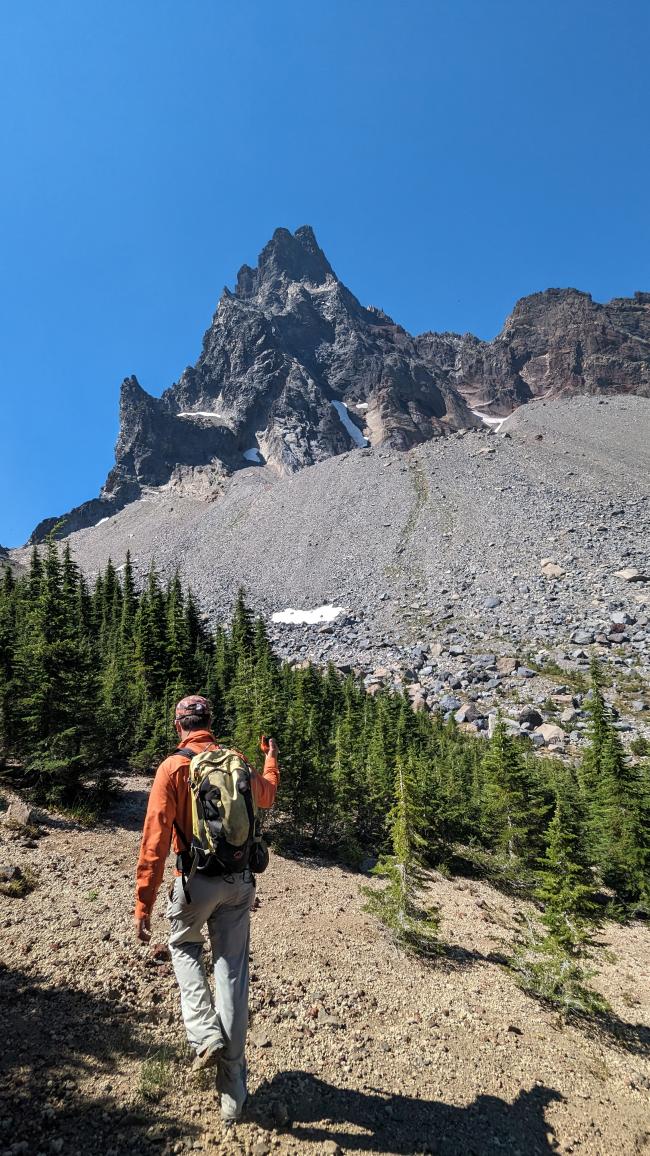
(631, 574)
(530, 717)
(583, 637)
(506, 665)
(19, 812)
(448, 702)
(551, 734)
(467, 713)
(550, 569)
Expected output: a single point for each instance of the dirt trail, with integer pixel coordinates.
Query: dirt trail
(352, 1045)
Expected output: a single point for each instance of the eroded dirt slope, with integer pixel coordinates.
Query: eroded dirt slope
(351, 1045)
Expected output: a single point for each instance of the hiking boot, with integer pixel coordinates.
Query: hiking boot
(231, 1111)
(207, 1058)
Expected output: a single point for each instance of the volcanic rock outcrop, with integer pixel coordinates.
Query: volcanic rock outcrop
(294, 370)
(559, 342)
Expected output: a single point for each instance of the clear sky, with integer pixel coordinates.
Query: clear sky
(451, 155)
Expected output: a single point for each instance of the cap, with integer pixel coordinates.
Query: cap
(194, 705)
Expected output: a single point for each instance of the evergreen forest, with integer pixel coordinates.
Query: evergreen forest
(89, 678)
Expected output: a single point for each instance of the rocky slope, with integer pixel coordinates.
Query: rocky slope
(461, 568)
(353, 1047)
(294, 370)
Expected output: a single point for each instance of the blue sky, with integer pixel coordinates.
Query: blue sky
(451, 155)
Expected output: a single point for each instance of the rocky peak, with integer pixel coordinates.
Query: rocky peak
(294, 370)
(288, 257)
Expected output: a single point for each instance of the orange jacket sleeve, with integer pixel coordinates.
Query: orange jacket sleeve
(156, 840)
(265, 786)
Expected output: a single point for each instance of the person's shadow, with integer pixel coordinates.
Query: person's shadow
(374, 1121)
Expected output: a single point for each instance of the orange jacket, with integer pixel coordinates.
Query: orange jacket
(169, 803)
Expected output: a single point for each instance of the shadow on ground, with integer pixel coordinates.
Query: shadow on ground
(128, 809)
(374, 1121)
(64, 1051)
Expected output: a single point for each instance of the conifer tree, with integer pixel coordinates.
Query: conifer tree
(348, 774)
(378, 772)
(564, 881)
(8, 599)
(512, 808)
(551, 965)
(618, 837)
(56, 686)
(398, 905)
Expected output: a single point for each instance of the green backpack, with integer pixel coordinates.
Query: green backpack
(225, 835)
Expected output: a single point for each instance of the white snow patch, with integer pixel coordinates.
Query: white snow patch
(497, 422)
(253, 455)
(292, 617)
(198, 413)
(361, 405)
(346, 421)
(101, 521)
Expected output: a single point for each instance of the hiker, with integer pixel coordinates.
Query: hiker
(220, 895)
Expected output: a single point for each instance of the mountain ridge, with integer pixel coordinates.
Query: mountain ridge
(294, 369)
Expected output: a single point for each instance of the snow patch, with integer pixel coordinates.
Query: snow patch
(497, 422)
(253, 455)
(198, 413)
(346, 421)
(327, 613)
(361, 405)
(101, 521)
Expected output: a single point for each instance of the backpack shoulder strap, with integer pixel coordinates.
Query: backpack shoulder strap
(189, 755)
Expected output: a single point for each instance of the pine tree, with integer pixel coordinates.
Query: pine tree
(242, 631)
(398, 904)
(617, 832)
(56, 685)
(512, 809)
(599, 720)
(378, 772)
(179, 658)
(8, 599)
(551, 965)
(620, 837)
(348, 780)
(564, 881)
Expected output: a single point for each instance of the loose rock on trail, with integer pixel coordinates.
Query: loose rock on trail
(353, 1046)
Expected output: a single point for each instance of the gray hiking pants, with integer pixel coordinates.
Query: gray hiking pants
(225, 908)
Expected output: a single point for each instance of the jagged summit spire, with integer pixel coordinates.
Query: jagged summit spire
(287, 257)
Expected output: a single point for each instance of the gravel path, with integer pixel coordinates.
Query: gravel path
(352, 1045)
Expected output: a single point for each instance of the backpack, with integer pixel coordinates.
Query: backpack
(225, 835)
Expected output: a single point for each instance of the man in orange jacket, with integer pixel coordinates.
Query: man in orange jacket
(216, 1030)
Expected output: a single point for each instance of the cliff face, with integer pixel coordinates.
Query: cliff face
(559, 342)
(294, 370)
